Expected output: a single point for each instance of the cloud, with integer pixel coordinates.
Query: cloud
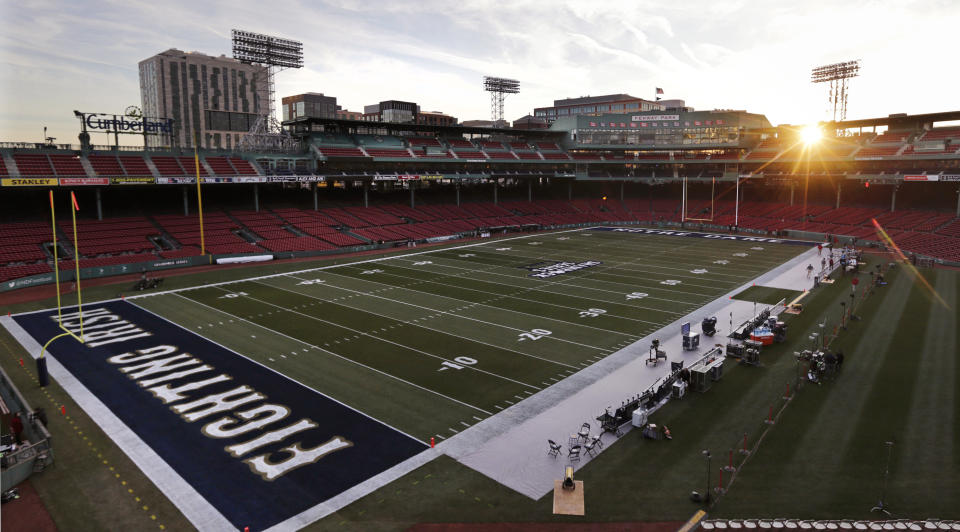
(57, 56)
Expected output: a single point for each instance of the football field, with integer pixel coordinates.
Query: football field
(253, 389)
(433, 342)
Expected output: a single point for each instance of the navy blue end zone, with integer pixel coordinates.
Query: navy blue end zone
(710, 236)
(229, 484)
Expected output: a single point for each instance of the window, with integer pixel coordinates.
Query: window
(300, 109)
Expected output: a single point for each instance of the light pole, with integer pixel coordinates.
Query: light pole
(882, 504)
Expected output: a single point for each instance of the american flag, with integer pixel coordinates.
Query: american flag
(659, 90)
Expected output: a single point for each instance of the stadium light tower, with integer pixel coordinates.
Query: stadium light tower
(275, 54)
(836, 75)
(498, 89)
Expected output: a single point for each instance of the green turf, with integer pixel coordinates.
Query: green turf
(823, 458)
(767, 295)
(406, 324)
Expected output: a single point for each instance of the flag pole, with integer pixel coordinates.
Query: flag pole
(56, 260)
(196, 160)
(76, 259)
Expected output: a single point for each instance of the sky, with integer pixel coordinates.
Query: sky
(57, 56)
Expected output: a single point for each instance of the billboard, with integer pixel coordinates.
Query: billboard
(29, 182)
(80, 181)
(131, 180)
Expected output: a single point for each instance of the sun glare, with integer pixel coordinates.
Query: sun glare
(810, 134)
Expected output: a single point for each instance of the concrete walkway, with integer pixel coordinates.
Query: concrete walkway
(511, 447)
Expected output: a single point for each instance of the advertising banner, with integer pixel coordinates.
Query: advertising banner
(131, 180)
(29, 182)
(80, 181)
(176, 180)
(921, 178)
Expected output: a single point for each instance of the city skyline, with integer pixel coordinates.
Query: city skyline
(730, 55)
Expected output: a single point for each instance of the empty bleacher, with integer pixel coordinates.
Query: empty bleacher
(339, 151)
(33, 164)
(168, 166)
(242, 166)
(389, 153)
(469, 154)
(135, 165)
(67, 165)
(112, 236)
(220, 166)
(191, 166)
(218, 232)
(423, 141)
(106, 165)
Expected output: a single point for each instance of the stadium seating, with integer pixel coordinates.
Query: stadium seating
(135, 165)
(469, 154)
(878, 151)
(332, 151)
(382, 152)
(106, 165)
(3, 168)
(190, 165)
(529, 155)
(242, 166)
(941, 134)
(547, 146)
(891, 136)
(490, 145)
(423, 141)
(67, 165)
(220, 166)
(168, 166)
(33, 164)
(501, 155)
(459, 143)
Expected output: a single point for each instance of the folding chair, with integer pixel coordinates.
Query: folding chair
(584, 432)
(554, 448)
(598, 440)
(573, 455)
(590, 447)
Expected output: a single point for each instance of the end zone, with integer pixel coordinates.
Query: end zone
(231, 443)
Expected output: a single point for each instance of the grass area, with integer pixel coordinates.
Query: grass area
(767, 295)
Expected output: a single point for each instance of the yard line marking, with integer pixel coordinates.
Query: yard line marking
(441, 437)
(519, 397)
(498, 407)
(464, 424)
(455, 431)
(554, 337)
(477, 418)
(523, 289)
(331, 266)
(626, 286)
(278, 333)
(441, 331)
(431, 355)
(541, 287)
